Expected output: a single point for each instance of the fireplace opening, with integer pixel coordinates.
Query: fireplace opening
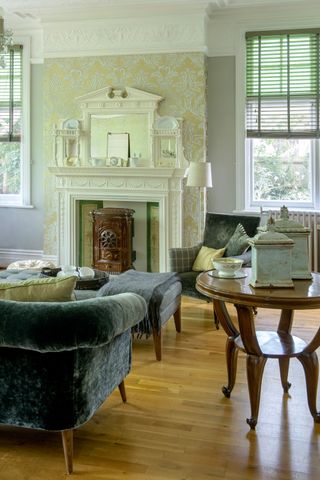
(145, 233)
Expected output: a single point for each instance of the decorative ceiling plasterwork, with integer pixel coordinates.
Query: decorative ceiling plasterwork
(68, 28)
(101, 38)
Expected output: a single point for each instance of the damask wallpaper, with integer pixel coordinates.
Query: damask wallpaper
(180, 78)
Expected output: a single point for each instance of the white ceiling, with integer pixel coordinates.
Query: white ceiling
(24, 13)
(40, 6)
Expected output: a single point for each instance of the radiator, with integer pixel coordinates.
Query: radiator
(307, 219)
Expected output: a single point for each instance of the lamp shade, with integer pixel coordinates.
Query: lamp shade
(199, 174)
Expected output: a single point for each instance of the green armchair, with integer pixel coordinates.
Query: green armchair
(219, 228)
(59, 361)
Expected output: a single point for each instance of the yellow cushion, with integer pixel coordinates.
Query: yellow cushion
(205, 257)
(39, 290)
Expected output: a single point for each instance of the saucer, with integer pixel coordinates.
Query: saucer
(239, 274)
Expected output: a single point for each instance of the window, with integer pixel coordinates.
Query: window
(282, 117)
(14, 141)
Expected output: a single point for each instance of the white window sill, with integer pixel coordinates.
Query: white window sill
(266, 210)
(10, 205)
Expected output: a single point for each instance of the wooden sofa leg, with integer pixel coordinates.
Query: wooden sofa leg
(157, 340)
(67, 442)
(177, 319)
(122, 391)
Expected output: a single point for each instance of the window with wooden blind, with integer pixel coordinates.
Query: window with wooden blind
(283, 84)
(14, 171)
(11, 96)
(282, 117)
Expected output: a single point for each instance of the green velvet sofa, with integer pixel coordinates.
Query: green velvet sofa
(59, 361)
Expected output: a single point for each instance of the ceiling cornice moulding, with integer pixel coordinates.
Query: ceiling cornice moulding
(174, 34)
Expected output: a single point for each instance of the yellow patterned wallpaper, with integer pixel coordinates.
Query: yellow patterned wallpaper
(180, 78)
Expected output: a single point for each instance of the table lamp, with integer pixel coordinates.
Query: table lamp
(199, 175)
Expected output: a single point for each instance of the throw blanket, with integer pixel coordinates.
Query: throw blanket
(151, 286)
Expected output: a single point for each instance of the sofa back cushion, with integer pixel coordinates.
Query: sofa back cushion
(39, 290)
(220, 227)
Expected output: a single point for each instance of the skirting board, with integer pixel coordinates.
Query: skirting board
(8, 256)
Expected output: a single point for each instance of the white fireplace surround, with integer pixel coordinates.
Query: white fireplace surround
(123, 184)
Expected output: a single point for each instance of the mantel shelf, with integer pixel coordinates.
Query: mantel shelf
(119, 171)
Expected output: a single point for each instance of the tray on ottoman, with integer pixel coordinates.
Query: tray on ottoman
(100, 278)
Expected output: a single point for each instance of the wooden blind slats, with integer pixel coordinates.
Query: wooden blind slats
(11, 96)
(282, 84)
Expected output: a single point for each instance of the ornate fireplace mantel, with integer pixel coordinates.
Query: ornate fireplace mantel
(121, 150)
(140, 184)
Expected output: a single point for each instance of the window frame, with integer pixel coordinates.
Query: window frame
(23, 199)
(243, 172)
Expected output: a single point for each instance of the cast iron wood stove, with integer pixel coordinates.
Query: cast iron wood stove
(112, 239)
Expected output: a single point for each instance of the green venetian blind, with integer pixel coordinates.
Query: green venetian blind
(11, 96)
(282, 84)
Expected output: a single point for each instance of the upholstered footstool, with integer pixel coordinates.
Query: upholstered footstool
(169, 306)
(15, 275)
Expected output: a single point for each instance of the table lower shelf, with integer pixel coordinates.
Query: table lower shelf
(275, 345)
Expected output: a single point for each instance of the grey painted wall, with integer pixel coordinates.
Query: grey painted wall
(22, 228)
(221, 134)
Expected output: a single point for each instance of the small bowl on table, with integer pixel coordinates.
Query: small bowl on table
(227, 267)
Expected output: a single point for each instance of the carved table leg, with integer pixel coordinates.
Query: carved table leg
(284, 368)
(285, 326)
(310, 365)
(231, 356)
(255, 367)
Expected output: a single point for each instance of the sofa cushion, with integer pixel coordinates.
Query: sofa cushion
(204, 258)
(181, 259)
(220, 227)
(238, 242)
(39, 290)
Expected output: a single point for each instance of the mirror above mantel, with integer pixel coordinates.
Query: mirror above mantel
(119, 128)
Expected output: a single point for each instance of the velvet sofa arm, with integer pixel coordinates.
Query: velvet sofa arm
(53, 327)
(182, 259)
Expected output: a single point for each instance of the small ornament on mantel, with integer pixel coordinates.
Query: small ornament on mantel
(271, 259)
(300, 235)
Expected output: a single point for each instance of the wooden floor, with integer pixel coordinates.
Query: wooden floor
(177, 425)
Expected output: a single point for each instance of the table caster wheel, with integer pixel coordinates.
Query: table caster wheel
(286, 389)
(226, 392)
(252, 422)
(316, 417)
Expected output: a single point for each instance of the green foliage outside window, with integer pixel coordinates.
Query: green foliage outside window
(10, 168)
(282, 170)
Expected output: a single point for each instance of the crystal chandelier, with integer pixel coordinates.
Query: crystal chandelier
(5, 41)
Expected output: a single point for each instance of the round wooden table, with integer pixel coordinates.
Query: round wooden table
(261, 345)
